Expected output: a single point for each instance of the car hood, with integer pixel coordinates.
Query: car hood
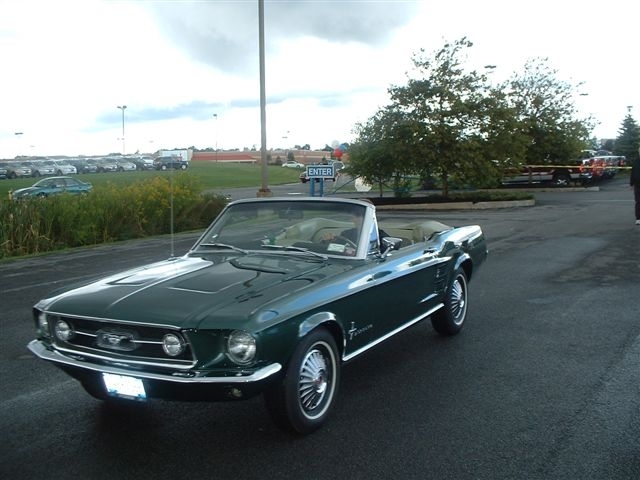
(187, 291)
(24, 191)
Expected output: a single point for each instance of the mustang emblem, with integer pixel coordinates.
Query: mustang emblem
(116, 340)
(353, 331)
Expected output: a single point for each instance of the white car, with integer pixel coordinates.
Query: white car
(293, 164)
(61, 168)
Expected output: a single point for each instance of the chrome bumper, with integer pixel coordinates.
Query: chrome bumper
(40, 350)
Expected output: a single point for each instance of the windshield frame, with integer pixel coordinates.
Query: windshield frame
(259, 225)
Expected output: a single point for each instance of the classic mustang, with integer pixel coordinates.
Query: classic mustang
(273, 298)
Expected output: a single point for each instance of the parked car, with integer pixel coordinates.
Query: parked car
(16, 170)
(84, 165)
(125, 165)
(273, 299)
(104, 165)
(292, 164)
(53, 186)
(559, 176)
(39, 168)
(143, 163)
(3, 171)
(61, 167)
(174, 162)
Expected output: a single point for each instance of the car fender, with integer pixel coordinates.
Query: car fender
(327, 319)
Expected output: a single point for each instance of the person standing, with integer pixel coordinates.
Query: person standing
(634, 181)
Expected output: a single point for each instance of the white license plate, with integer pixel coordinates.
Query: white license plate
(122, 386)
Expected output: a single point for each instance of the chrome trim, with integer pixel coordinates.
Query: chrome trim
(128, 361)
(38, 349)
(109, 320)
(346, 358)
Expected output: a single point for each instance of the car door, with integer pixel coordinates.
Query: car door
(394, 292)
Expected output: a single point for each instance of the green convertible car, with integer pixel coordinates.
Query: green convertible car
(275, 296)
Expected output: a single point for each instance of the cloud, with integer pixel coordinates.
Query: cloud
(223, 34)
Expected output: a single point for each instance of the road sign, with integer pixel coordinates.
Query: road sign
(320, 171)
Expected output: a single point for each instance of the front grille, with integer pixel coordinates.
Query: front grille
(119, 342)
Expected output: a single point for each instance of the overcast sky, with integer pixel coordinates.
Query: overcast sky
(188, 72)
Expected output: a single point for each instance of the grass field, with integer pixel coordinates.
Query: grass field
(212, 175)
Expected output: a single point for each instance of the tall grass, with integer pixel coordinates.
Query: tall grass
(110, 213)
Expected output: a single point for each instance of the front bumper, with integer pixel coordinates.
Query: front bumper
(181, 385)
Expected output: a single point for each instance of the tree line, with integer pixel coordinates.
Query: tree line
(452, 126)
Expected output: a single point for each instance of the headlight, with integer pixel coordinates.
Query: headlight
(43, 324)
(173, 345)
(241, 347)
(64, 331)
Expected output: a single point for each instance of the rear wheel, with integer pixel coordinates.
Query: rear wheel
(302, 401)
(449, 320)
(562, 180)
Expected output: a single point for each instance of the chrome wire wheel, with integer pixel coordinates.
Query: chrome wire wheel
(302, 401)
(458, 300)
(316, 383)
(313, 380)
(449, 319)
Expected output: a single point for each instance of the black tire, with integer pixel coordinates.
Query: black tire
(449, 320)
(163, 167)
(562, 180)
(183, 167)
(303, 400)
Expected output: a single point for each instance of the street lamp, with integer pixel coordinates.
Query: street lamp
(123, 108)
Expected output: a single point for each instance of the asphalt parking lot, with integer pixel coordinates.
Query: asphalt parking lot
(543, 382)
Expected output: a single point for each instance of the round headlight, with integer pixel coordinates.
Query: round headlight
(43, 324)
(64, 331)
(241, 347)
(173, 345)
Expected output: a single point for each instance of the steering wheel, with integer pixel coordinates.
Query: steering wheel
(345, 241)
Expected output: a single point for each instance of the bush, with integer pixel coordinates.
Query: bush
(108, 214)
(475, 196)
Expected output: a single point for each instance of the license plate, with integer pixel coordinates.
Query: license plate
(122, 386)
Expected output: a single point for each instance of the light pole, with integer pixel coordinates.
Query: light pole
(215, 115)
(123, 108)
(264, 189)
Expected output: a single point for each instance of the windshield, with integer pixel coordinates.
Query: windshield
(331, 228)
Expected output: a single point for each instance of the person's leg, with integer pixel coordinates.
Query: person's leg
(636, 193)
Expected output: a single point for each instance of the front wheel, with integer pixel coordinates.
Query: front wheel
(449, 320)
(302, 401)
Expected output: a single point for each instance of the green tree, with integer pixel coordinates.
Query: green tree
(446, 123)
(450, 108)
(546, 113)
(384, 149)
(628, 140)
